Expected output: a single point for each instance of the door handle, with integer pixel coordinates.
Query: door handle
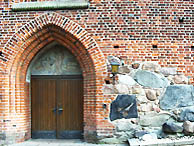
(60, 109)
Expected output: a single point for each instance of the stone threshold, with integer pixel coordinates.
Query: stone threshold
(162, 142)
(50, 5)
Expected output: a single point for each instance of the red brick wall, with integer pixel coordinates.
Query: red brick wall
(123, 28)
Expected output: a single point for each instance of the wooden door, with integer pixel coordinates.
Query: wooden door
(70, 117)
(57, 107)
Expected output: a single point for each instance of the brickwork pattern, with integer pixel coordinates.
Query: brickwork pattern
(124, 28)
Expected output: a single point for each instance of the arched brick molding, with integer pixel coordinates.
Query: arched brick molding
(19, 52)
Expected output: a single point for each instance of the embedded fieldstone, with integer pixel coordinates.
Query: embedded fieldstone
(124, 135)
(151, 94)
(157, 130)
(124, 70)
(112, 140)
(138, 90)
(154, 119)
(141, 99)
(108, 89)
(149, 137)
(155, 108)
(125, 125)
(124, 107)
(180, 79)
(121, 89)
(187, 115)
(151, 66)
(159, 92)
(127, 80)
(171, 127)
(171, 79)
(139, 134)
(177, 96)
(188, 127)
(150, 79)
(135, 65)
(146, 107)
(168, 70)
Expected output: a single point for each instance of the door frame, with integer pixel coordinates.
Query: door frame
(58, 77)
(71, 77)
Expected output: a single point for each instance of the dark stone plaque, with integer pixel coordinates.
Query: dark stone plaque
(124, 107)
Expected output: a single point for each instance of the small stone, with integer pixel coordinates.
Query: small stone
(135, 65)
(127, 80)
(159, 92)
(124, 70)
(151, 94)
(171, 79)
(149, 137)
(180, 79)
(124, 125)
(142, 99)
(156, 108)
(151, 66)
(176, 111)
(168, 70)
(139, 134)
(121, 89)
(146, 107)
(171, 127)
(112, 140)
(138, 90)
(108, 89)
(188, 127)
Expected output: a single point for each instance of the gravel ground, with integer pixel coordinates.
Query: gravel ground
(49, 142)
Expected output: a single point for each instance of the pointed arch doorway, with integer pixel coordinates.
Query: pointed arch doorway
(56, 94)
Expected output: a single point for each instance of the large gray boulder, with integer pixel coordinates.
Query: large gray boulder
(154, 119)
(123, 107)
(177, 96)
(150, 79)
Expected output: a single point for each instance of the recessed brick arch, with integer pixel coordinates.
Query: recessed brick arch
(22, 48)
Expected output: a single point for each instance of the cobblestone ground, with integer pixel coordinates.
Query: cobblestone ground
(45, 142)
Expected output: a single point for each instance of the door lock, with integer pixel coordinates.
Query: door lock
(54, 110)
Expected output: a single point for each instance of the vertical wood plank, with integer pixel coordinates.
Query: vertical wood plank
(43, 102)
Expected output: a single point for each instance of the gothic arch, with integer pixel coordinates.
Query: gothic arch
(27, 42)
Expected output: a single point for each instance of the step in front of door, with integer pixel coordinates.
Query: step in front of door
(73, 134)
(44, 134)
